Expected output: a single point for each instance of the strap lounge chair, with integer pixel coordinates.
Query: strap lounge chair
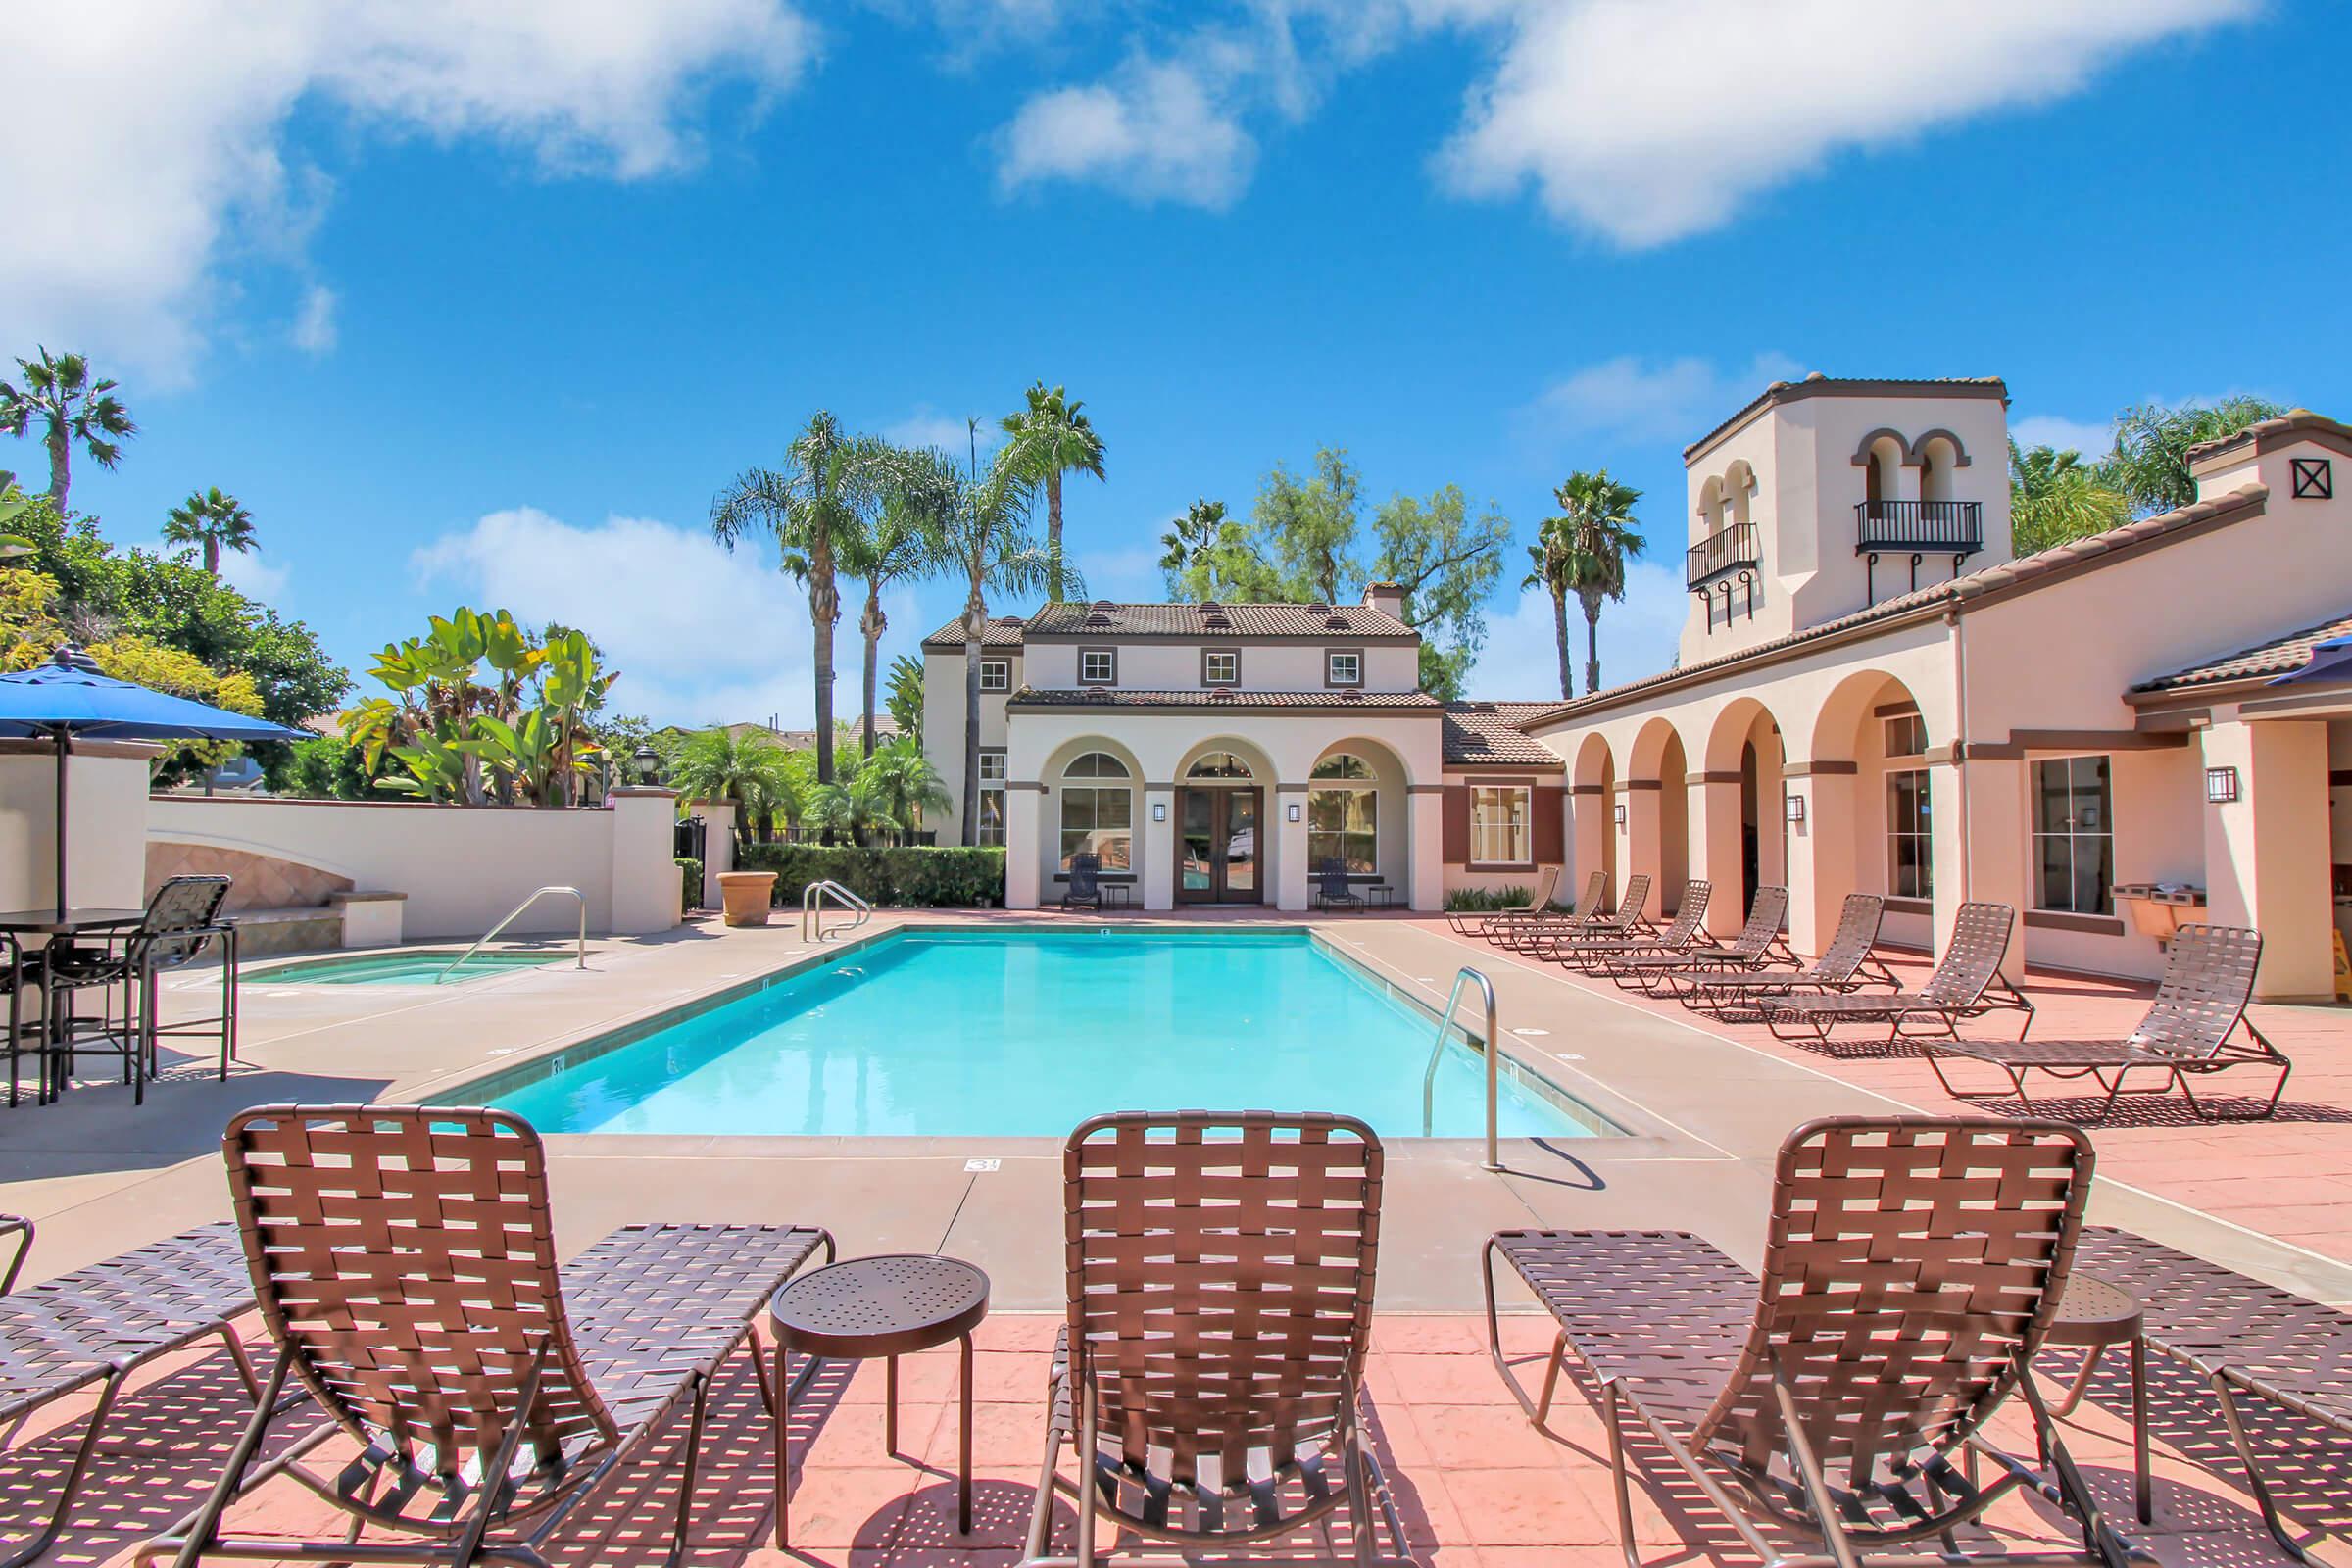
(183, 922)
(1331, 891)
(98, 1325)
(1474, 922)
(1847, 965)
(2200, 1004)
(1758, 944)
(404, 1263)
(2242, 1337)
(1085, 890)
(1601, 955)
(1912, 1268)
(1967, 984)
(1528, 935)
(1220, 1274)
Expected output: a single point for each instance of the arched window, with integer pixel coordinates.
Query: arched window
(1098, 817)
(1343, 814)
(1219, 764)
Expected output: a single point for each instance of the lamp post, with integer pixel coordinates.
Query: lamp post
(648, 763)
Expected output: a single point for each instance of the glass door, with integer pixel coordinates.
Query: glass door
(1217, 853)
(1195, 846)
(1240, 838)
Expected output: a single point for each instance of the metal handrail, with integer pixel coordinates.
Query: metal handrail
(813, 906)
(580, 897)
(1437, 1050)
(1736, 545)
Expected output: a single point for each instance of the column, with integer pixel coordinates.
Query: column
(2266, 852)
(1637, 848)
(1820, 851)
(1983, 846)
(1425, 822)
(646, 891)
(1714, 805)
(1024, 818)
(1155, 839)
(1290, 841)
(1588, 830)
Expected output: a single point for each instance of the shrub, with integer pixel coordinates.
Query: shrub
(690, 877)
(909, 877)
(1485, 901)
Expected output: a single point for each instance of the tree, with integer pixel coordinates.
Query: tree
(70, 408)
(889, 545)
(1447, 563)
(808, 507)
(1053, 436)
(1602, 535)
(2149, 466)
(749, 767)
(214, 521)
(1549, 559)
(909, 785)
(1310, 525)
(1211, 555)
(2054, 497)
(906, 699)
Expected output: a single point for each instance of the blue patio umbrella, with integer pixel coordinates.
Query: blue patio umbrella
(2331, 665)
(68, 699)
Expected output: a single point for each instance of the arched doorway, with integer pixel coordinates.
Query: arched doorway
(1220, 829)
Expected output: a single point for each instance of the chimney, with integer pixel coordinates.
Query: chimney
(1387, 598)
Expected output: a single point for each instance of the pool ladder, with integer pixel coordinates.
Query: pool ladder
(577, 896)
(1492, 1051)
(813, 908)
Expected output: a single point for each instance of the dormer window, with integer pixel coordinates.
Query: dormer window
(1220, 666)
(1342, 667)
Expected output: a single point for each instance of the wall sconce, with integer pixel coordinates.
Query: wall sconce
(1794, 805)
(1293, 813)
(1159, 810)
(1621, 815)
(2221, 785)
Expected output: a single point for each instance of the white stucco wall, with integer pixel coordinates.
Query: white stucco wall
(1154, 665)
(942, 726)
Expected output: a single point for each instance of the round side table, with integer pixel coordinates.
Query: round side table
(2092, 1314)
(885, 1306)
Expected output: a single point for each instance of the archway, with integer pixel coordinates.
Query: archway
(1092, 805)
(1657, 813)
(1358, 812)
(1870, 722)
(1592, 798)
(1743, 828)
(1224, 851)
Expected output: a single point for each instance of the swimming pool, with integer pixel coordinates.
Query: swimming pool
(946, 1032)
(419, 968)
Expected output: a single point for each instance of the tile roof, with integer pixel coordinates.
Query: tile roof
(1490, 732)
(1816, 384)
(2280, 655)
(1106, 620)
(2093, 550)
(2292, 421)
(1005, 631)
(1225, 697)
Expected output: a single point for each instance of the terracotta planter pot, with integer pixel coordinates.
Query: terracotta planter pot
(747, 896)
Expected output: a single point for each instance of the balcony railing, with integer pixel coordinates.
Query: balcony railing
(1727, 550)
(1938, 527)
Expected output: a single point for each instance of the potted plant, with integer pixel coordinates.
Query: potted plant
(745, 896)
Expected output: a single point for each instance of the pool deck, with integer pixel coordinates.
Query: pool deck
(1705, 1107)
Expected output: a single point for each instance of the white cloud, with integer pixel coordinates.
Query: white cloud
(700, 634)
(1152, 132)
(315, 324)
(1636, 400)
(926, 427)
(1520, 661)
(1646, 120)
(2093, 440)
(185, 166)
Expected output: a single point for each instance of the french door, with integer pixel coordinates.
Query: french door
(1217, 859)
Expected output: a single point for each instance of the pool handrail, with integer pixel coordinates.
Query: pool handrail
(580, 897)
(1492, 1051)
(813, 906)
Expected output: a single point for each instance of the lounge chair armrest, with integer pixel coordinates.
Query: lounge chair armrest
(20, 1228)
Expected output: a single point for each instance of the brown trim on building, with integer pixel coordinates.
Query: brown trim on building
(2022, 742)
(1423, 789)
(1111, 654)
(1897, 905)
(1780, 392)
(1903, 709)
(2286, 431)
(1718, 776)
(2318, 703)
(1372, 704)
(1827, 765)
(1006, 662)
(1206, 654)
(1293, 789)
(2090, 925)
(1329, 653)
(2339, 778)
(1090, 639)
(1587, 789)
(1521, 783)
(1640, 784)
(2172, 720)
(1026, 784)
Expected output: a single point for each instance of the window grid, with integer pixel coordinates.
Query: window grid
(1501, 823)
(1344, 669)
(1910, 840)
(1098, 666)
(996, 674)
(2074, 836)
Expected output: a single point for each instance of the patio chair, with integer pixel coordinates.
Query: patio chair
(2242, 1337)
(1501, 926)
(182, 924)
(1220, 1275)
(1331, 891)
(1846, 964)
(98, 1325)
(1601, 954)
(1474, 922)
(1967, 984)
(405, 1264)
(1528, 935)
(1758, 944)
(1912, 1268)
(1086, 882)
(2200, 1004)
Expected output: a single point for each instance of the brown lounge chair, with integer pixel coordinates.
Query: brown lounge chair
(1474, 922)
(1967, 984)
(1220, 1272)
(100, 1324)
(1685, 933)
(1523, 935)
(405, 1264)
(1085, 889)
(2241, 1336)
(1847, 965)
(2200, 1004)
(1758, 944)
(1912, 1268)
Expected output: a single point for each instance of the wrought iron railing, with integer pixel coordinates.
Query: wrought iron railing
(1723, 551)
(1944, 528)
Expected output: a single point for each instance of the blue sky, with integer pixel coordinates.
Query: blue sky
(484, 310)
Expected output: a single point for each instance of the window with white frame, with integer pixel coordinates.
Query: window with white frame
(991, 826)
(1221, 667)
(996, 674)
(1343, 816)
(1343, 668)
(1098, 817)
(1910, 862)
(1098, 666)
(2074, 836)
(1501, 820)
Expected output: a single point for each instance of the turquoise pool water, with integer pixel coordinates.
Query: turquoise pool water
(399, 968)
(1027, 1034)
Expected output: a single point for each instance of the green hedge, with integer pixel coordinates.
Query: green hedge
(690, 878)
(1485, 901)
(914, 877)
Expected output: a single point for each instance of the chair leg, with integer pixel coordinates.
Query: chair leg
(205, 1523)
(690, 1469)
(1617, 1474)
(72, 1489)
(2245, 1456)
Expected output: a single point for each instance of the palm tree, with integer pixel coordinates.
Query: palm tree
(2149, 466)
(1053, 437)
(1548, 556)
(214, 519)
(890, 546)
(2054, 497)
(817, 500)
(1600, 534)
(70, 407)
(750, 769)
(909, 785)
(906, 699)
